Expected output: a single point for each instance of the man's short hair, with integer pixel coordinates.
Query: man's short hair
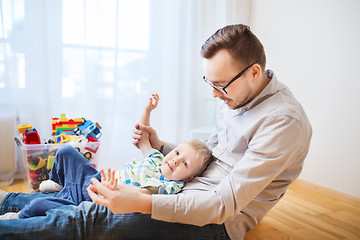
(241, 43)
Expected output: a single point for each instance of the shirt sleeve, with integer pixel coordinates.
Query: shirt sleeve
(168, 147)
(277, 143)
(171, 187)
(151, 151)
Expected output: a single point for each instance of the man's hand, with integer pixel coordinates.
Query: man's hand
(153, 137)
(124, 199)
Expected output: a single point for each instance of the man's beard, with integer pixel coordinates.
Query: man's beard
(242, 103)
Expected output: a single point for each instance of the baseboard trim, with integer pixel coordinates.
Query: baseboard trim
(328, 192)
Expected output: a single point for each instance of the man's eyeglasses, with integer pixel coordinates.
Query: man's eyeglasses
(222, 89)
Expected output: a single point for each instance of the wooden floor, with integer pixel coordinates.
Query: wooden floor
(307, 211)
(17, 186)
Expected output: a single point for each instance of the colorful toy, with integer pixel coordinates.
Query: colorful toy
(30, 135)
(82, 134)
(64, 125)
(49, 141)
(87, 148)
(22, 128)
(63, 138)
(40, 163)
(89, 128)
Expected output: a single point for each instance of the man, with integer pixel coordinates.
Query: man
(261, 139)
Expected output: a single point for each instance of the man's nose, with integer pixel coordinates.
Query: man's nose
(216, 93)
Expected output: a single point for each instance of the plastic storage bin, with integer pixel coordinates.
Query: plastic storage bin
(39, 159)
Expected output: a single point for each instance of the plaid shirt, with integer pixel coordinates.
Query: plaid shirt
(146, 174)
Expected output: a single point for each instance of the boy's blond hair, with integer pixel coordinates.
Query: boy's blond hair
(203, 152)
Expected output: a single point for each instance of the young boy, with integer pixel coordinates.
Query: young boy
(155, 175)
(159, 174)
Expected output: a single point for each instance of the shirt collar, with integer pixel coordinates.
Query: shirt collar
(272, 88)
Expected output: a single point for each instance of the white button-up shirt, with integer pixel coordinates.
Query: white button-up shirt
(259, 151)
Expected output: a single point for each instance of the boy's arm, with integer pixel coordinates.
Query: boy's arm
(152, 104)
(144, 143)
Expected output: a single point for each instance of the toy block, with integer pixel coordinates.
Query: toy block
(22, 128)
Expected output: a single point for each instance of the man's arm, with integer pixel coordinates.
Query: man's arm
(125, 199)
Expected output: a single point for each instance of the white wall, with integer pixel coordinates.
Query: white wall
(314, 48)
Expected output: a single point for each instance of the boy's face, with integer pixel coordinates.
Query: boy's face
(181, 163)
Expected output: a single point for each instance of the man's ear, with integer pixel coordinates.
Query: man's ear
(188, 179)
(255, 71)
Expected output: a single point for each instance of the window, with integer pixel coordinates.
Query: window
(73, 49)
(12, 57)
(102, 44)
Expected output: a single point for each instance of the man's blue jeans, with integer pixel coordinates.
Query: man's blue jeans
(91, 221)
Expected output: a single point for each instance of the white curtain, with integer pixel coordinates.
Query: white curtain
(101, 60)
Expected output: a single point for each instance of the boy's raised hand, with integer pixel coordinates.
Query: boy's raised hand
(153, 102)
(144, 136)
(109, 180)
